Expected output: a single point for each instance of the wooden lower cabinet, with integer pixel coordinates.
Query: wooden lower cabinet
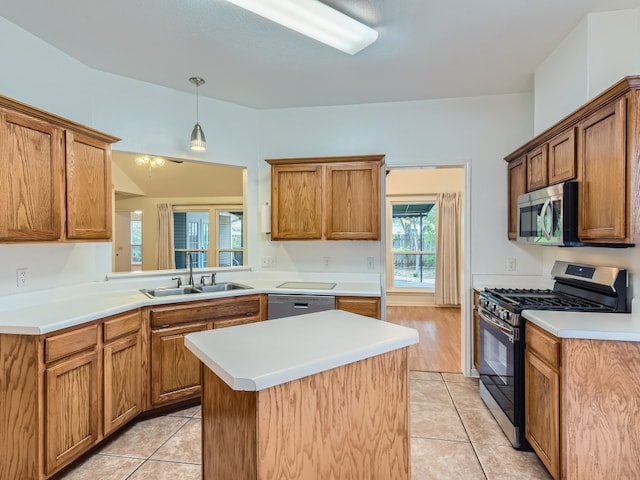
(581, 403)
(367, 306)
(72, 406)
(122, 364)
(542, 396)
(63, 393)
(175, 371)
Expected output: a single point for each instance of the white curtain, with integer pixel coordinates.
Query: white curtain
(164, 254)
(448, 231)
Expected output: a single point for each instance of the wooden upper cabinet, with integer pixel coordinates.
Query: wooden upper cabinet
(31, 176)
(296, 202)
(352, 198)
(603, 172)
(537, 176)
(55, 177)
(88, 175)
(328, 198)
(517, 185)
(562, 157)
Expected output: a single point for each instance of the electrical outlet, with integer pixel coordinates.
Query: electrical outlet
(326, 261)
(511, 264)
(21, 277)
(370, 263)
(268, 261)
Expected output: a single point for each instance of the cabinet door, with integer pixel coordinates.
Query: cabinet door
(122, 381)
(352, 201)
(72, 406)
(88, 171)
(517, 185)
(367, 306)
(537, 168)
(175, 371)
(562, 157)
(602, 161)
(296, 202)
(542, 411)
(31, 176)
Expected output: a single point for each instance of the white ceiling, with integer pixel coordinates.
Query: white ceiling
(426, 48)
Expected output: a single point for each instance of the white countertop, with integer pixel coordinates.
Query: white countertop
(46, 311)
(591, 326)
(260, 355)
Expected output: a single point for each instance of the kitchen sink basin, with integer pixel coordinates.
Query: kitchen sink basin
(166, 291)
(221, 287)
(188, 290)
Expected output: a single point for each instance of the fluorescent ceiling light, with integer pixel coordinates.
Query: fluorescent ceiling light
(316, 20)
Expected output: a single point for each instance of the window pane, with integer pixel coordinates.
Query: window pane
(414, 230)
(136, 253)
(230, 259)
(414, 270)
(230, 231)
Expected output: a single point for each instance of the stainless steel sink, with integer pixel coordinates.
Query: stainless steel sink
(188, 290)
(221, 287)
(166, 291)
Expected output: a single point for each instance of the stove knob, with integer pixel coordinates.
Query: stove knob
(505, 315)
(482, 302)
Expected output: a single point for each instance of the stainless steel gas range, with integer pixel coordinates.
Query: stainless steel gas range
(577, 288)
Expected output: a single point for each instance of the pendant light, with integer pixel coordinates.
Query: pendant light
(198, 141)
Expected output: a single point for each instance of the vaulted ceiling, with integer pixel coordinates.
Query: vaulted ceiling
(426, 48)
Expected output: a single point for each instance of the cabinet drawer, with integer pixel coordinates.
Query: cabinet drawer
(212, 310)
(545, 345)
(121, 325)
(66, 344)
(232, 322)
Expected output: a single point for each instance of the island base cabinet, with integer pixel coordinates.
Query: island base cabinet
(349, 422)
(600, 405)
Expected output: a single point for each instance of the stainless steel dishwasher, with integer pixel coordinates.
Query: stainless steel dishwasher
(281, 305)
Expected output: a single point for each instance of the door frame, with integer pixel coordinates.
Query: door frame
(466, 319)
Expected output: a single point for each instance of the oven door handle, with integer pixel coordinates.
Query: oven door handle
(509, 332)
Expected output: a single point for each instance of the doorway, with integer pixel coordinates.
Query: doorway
(411, 253)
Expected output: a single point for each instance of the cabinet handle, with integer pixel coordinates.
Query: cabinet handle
(165, 325)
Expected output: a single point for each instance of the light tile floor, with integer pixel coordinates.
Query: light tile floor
(453, 436)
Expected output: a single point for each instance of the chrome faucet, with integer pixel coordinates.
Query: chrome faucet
(190, 260)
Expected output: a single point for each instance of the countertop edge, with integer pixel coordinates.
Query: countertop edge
(586, 326)
(132, 298)
(304, 369)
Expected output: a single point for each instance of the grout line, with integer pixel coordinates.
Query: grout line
(465, 430)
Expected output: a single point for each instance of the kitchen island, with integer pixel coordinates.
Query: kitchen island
(322, 395)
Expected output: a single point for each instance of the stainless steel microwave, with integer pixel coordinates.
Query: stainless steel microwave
(549, 216)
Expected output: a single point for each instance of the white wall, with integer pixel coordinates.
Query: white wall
(147, 117)
(477, 131)
(610, 43)
(599, 51)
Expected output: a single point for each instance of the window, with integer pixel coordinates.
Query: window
(136, 240)
(413, 244)
(220, 246)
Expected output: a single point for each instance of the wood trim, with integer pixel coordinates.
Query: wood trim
(55, 119)
(614, 92)
(342, 159)
(21, 407)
